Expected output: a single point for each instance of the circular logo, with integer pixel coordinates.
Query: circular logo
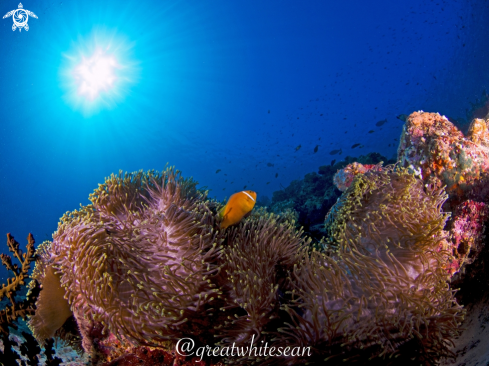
(20, 18)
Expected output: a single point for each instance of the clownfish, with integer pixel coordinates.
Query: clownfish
(238, 206)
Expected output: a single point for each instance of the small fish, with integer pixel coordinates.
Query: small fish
(276, 175)
(269, 111)
(334, 152)
(238, 205)
(380, 123)
(268, 182)
(269, 164)
(316, 149)
(333, 161)
(298, 148)
(402, 117)
(218, 170)
(371, 131)
(355, 145)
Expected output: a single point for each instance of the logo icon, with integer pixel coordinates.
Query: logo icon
(20, 17)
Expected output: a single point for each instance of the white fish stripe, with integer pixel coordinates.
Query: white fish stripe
(248, 195)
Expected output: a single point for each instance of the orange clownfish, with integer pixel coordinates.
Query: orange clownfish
(239, 205)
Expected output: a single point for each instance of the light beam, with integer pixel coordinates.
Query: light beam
(95, 74)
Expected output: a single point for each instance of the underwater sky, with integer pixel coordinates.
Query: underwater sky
(236, 86)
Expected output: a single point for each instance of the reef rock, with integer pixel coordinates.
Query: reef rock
(436, 151)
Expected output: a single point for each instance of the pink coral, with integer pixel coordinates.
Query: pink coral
(433, 148)
(467, 230)
(343, 177)
(436, 151)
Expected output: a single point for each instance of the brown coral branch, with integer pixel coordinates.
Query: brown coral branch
(26, 307)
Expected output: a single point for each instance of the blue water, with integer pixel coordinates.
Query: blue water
(230, 85)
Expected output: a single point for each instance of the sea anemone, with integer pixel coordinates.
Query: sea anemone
(52, 308)
(147, 263)
(137, 261)
(257, 257)
(382, 290)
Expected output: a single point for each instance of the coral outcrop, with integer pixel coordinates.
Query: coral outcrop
(436, 151)
(344, 177)
(467, 232)
(314, 196)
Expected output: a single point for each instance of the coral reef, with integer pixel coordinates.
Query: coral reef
(344, 177)
(467, 232)
(368, 278)
(313, 196)
(147, 264)
(433, 148)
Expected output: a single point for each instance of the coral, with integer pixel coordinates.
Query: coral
(137, 261)
(478, 132)
(149, 356)
(344, 177)
(382, 290)
(467, 229)
(313, 196)
(440, 154)
(29, 348)
(26, 307)
(437, 151)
